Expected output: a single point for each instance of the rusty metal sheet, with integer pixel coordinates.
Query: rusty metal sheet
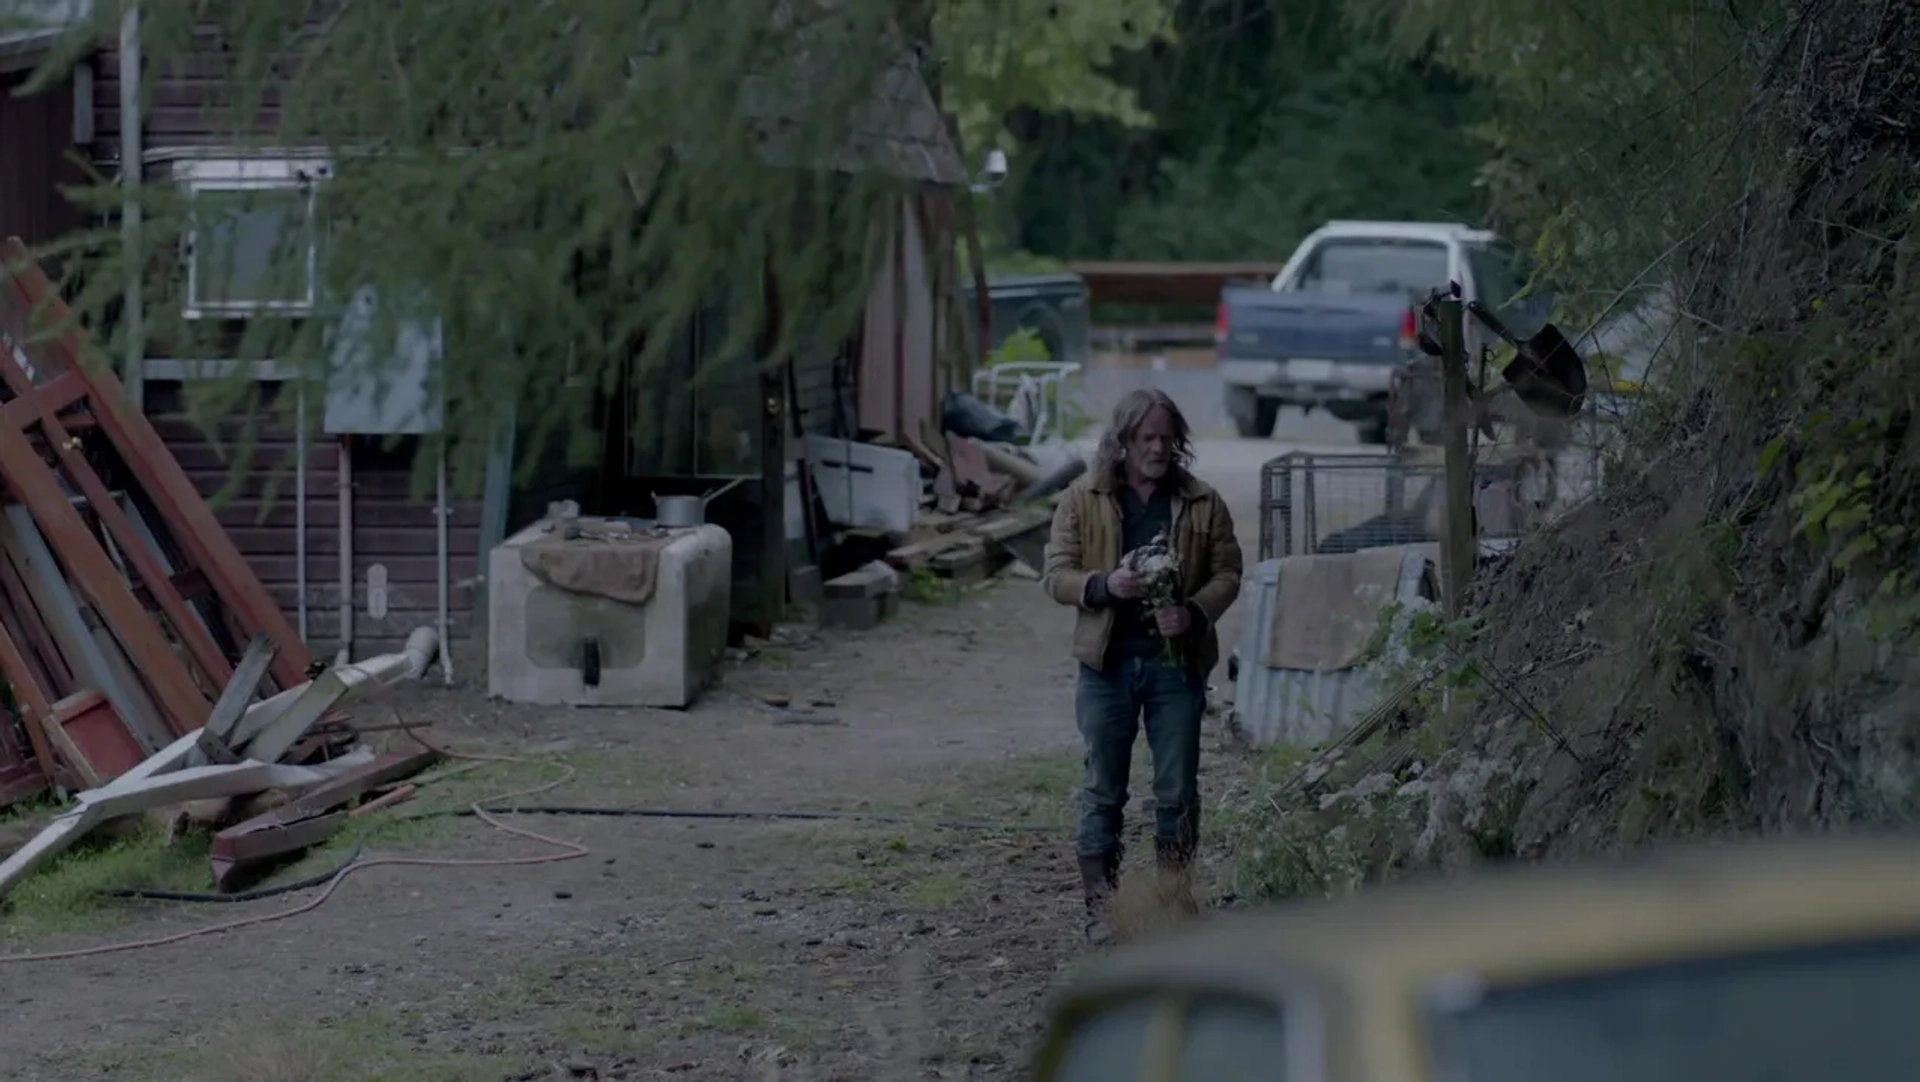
(97, 734)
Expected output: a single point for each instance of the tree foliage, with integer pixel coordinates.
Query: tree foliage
(1052, 56)
(1269, 116)
(1614, 127)
(1745, 645)
(560, 182)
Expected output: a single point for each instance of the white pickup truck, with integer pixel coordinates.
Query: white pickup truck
(1335, 324)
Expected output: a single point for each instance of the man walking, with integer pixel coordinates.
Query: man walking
(1139, 487)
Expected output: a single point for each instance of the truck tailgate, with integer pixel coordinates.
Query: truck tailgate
(1261, 324)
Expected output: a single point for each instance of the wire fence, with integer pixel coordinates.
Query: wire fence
(1335, 503)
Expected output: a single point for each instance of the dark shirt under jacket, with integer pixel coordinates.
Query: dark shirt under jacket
(1140, 521)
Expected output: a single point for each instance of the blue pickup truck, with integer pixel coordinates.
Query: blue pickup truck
(1338, 320)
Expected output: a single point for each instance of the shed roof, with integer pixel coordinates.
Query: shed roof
(22, 48)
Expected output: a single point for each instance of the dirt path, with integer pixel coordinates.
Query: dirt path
(699, 949)
(679, 948)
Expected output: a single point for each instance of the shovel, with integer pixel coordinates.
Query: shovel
(1546, 373)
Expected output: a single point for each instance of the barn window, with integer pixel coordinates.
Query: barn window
(251, 247)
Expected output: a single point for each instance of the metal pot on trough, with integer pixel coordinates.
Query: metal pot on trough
(686, 512)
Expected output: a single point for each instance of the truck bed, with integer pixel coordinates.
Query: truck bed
(1261, 324)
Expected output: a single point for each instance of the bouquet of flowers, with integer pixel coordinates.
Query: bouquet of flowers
(1159, 572)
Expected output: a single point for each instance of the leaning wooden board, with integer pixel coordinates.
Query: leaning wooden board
(950, 550)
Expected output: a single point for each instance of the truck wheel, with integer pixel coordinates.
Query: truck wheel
(1373, 430)
(1253, 416)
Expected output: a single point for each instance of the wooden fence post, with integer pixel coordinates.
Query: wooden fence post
(1458, 547)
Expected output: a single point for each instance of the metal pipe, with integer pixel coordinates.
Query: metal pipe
(345, 654)
(442, 512)
(272, 726)
(421, 645)
(300, 499)
(131, 158)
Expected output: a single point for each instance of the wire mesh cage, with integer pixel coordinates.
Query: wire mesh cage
(1330, 503)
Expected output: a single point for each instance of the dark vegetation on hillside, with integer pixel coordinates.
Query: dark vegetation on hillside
(1722, 642)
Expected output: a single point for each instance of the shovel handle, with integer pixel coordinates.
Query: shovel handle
(1489, 321)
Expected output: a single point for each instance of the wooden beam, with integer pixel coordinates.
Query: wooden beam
(190, 521)
(32, 700)
(1457, 548)
(61, 394)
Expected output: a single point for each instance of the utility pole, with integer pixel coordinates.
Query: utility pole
(1458, 547)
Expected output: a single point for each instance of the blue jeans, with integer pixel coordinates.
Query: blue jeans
(1109, 705)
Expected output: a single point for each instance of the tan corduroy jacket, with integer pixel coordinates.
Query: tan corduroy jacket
(1086, 539)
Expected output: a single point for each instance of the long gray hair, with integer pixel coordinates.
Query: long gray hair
(1128, 415)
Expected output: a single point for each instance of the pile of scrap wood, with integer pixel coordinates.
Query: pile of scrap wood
(133, 636)
(975, 474)
(240, 769)
(986, 501)
(973, 546)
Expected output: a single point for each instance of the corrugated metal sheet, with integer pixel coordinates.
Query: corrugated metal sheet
(1294, 706)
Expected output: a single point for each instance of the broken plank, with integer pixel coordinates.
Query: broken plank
(317, 698)
(917, 555)
(315, 701)
(1011, 525)
(232, 705)
(273, 834)
(275, 841)
(965, 563)
(131, 795)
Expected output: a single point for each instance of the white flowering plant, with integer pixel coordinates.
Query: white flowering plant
(1159, 571)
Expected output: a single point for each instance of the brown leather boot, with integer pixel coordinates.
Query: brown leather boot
(1174, 862)
(1099, 879)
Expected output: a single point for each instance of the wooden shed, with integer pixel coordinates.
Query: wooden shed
(340, 519)
(38, 134)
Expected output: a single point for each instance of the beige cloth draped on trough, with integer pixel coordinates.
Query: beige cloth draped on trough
(605, 559)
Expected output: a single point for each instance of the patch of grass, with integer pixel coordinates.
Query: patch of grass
(917, 875)
(1034, 790)
(361, 1046)
(65, 896)
(1029, 790)
(923, 587)
(938, 890)
(736, 1018)
(455, 785)
(601, 1036)
(725, 977)
(1042, 788)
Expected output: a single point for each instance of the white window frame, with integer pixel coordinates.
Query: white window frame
(254, 174)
